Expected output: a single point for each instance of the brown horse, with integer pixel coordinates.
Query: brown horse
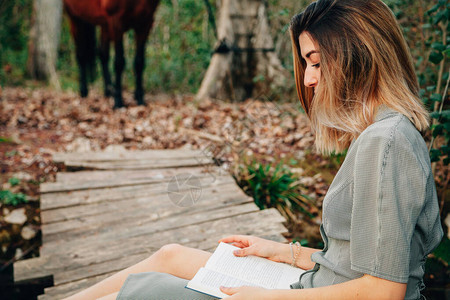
(114, 17)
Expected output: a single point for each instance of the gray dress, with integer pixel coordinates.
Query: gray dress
(380, 217)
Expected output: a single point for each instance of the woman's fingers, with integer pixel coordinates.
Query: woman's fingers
(239, 244)
(245, 251)
(243, 239)
(229, 290)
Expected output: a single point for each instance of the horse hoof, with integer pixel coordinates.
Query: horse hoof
(83, 94)
(118, 104)
(109, 91)
(138, 96)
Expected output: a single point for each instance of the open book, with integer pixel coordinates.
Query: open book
(225, 269)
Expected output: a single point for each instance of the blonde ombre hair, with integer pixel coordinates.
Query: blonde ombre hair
(364, 62)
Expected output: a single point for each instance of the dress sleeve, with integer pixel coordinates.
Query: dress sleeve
(389, 191)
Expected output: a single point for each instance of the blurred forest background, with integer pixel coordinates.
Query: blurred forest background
(278, 167)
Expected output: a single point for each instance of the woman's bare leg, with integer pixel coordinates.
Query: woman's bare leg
(174, 259)
(109, 297)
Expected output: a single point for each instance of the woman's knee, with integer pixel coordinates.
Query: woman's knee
(181, 261)
(169, 251)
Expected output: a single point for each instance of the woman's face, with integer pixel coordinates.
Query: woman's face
(310, 53)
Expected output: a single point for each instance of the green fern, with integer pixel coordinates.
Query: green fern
(9, 198)
(274, 187)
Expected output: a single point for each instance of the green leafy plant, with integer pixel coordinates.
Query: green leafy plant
(336, 159)
(442, 252)
(6, 140)
(11, 153)
(436, 94)
(303, 242)
(9, 198)
(14, 31)
(425, 25)
(274, 187)
(13, 181)
(441, 128)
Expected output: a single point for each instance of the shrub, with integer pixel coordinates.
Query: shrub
(274, 187)
(9, 198)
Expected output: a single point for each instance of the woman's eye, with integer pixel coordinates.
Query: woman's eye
(316, 65)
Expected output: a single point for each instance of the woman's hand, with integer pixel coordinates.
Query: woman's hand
(252, 245)
(246, 292)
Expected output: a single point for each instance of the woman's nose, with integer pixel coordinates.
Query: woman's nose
(311, 78)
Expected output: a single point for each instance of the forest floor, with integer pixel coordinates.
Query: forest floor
(34, 124)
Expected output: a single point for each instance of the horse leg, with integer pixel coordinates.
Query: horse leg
(139, 65)
(119, 65)
(83, 77)
(80, 53)
(104, 58)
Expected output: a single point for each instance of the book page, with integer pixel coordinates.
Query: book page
(257, 270)
(209, 282)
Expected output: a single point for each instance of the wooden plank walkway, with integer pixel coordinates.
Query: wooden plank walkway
(118, 208)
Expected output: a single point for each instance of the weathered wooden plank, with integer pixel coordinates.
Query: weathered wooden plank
(100, 268)
(32, 268)
(81, 176)
(147, 228)
(131, 218)
(136, 215)
(136, 155)
(55, 187)
(81, 197)
(202, 159)
(65, 290)
(210, 195)
(138, 164)
(153, 205)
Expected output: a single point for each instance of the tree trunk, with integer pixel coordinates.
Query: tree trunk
(44, 40)
(244, 64)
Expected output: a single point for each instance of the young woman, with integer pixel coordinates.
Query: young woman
(356, 82)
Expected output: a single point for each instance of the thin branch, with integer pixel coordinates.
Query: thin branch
(444, 96)
(441, 66)
(211, 18)
(444, 190)
(203, 135)
(424, 62)
(438, 89)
